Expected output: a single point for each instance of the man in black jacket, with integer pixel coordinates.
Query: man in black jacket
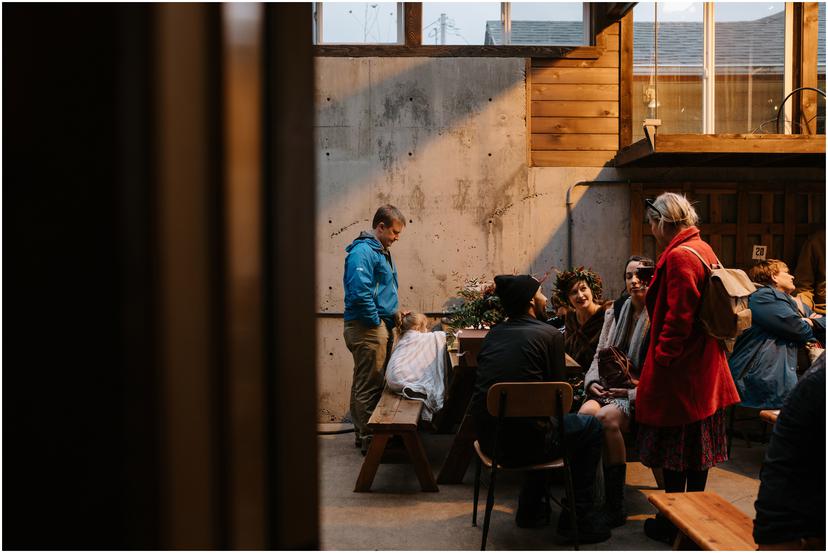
(525, 349)
(790, 508)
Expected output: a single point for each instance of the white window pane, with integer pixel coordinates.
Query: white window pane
(554, 23)
(359, 23)
(460, 22)
(750, 66)
(673, 93)
(643, 95)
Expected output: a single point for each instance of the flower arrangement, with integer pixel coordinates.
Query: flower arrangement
(480, 307)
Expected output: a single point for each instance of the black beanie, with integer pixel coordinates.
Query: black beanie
(515, 292)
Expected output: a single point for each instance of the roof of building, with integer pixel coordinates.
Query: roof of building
(739, 44)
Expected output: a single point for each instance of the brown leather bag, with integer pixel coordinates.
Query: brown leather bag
(614, 369)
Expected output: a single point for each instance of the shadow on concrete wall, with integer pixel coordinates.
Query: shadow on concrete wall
(379, 128)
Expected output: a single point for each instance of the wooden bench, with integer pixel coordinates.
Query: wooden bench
(707, 519)
(395, 416)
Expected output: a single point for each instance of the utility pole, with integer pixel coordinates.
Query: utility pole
(442, 28)
(365, 25)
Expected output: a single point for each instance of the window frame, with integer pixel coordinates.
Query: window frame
(412, 46)
(318, 10)
(800, 32)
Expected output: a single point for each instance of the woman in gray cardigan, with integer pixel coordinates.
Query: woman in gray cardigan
(626, 327)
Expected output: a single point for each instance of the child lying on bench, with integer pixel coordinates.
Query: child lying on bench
(417, 367)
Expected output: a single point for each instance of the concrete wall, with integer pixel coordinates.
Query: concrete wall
(444, 139)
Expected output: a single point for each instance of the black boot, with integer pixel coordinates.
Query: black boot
(592, 525)
(533, 517)
(614, 480)
(533, 503)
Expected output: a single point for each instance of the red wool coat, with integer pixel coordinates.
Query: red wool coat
(685, 377)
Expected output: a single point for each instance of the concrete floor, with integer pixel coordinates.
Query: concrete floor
(397, 516)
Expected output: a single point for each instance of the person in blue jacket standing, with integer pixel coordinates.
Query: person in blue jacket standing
(764, 359)
(371, 311)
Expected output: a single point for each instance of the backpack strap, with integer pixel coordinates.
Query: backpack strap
(709, 268)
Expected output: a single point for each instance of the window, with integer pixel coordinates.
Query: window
(458, 22)
(357, 22)
(541, 23)
(750, 66)
(714, 67)
(668, 65)
(521, 24)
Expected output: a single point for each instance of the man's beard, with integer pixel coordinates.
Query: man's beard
(540, 314)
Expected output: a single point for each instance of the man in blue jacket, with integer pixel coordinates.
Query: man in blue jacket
(371, 310)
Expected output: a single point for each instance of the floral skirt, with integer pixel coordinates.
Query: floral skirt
(696, 446)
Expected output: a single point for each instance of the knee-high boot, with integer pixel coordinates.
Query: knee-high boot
(614, 479)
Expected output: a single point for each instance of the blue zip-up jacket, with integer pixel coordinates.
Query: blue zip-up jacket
(763, 362)
(370, 282)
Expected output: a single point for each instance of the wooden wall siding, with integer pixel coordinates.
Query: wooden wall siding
(574, 107)
(735, 217)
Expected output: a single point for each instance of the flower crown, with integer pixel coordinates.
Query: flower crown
(566, 279)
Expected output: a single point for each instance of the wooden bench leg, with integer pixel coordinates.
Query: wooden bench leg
(418, 458)
(460, 454)
(371, 463)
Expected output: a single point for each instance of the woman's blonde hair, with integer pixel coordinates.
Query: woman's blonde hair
(764, 271)
(672, 209)
(413, 321)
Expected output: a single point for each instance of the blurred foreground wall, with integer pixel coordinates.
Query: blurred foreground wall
(153, 277)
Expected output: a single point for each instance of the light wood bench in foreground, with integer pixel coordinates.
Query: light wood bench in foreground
(706, 518)
(395, 416)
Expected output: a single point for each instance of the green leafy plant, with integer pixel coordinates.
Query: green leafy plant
(480, 305)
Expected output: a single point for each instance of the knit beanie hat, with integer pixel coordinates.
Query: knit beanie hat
(515, 292)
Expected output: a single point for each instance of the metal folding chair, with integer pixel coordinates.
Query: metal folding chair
(525, 399)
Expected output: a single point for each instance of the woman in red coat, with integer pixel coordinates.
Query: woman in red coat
(685, 381)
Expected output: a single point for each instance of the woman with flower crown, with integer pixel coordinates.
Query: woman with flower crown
(579, 290)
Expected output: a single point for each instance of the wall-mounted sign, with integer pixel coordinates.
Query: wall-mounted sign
(759, 252)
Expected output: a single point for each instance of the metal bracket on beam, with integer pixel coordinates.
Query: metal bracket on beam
(650, 130)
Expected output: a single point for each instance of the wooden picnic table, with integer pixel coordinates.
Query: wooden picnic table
(462, 448)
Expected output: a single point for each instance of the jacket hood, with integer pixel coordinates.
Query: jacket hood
(368, 238)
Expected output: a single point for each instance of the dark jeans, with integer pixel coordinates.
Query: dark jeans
(584, 437)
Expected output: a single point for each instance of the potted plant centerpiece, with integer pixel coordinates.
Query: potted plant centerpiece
(479, 310)
(479, 306)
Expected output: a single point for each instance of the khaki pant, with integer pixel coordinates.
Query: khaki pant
(371, 348)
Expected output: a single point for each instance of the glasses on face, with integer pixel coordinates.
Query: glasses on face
(648, 206)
